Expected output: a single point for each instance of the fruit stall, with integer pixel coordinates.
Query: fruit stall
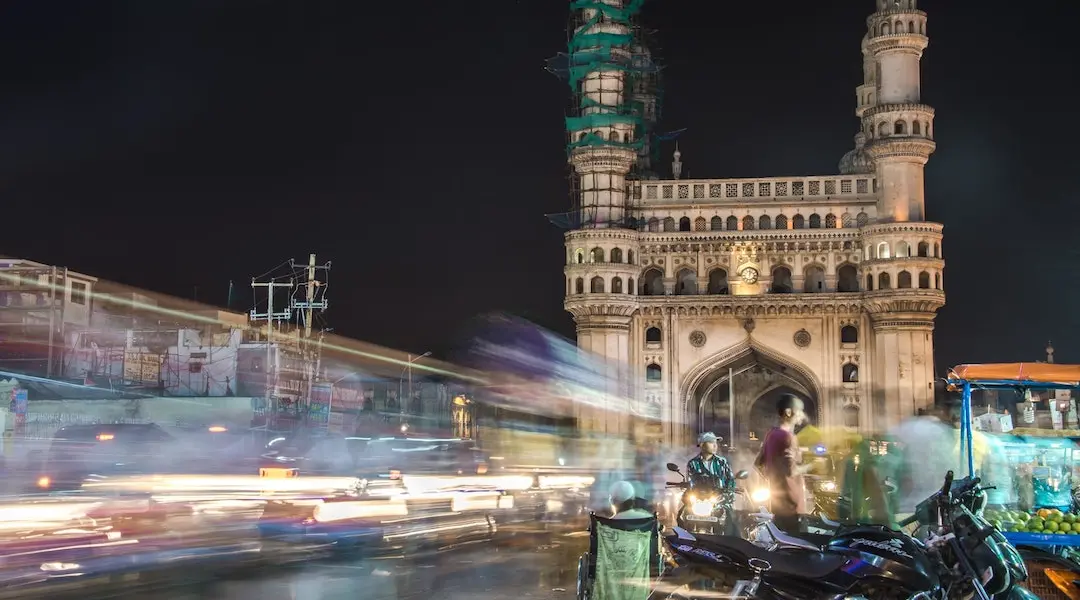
(1042, 518)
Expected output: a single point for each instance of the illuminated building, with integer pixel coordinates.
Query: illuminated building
(824, 285)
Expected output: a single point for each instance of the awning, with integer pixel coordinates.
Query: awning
(1021, 372)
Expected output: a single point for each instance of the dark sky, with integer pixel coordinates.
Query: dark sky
(175, 144)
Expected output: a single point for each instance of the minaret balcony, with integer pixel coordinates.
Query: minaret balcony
(886, 122)
(897, 30)
(866, 98)
(617, 306)
(899, 307)
(600, 158)
(906, 149)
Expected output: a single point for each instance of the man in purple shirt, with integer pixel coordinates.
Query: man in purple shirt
(780, 460)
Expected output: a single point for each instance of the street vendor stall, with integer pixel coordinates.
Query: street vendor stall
(1044, 461)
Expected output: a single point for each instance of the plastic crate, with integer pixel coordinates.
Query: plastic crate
(1040, 584)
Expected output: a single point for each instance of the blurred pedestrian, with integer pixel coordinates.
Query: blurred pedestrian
(780, 460)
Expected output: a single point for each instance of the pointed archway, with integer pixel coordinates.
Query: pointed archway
(760, 374)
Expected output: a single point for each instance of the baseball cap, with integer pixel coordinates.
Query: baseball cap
(707, 437)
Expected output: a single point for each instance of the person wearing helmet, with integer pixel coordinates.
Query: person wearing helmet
(707, 470)
(625, 502)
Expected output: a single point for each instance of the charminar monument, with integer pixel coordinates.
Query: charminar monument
(700, 297)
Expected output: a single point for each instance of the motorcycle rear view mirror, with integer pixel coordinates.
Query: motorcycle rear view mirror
(673, 467)
(742, 475)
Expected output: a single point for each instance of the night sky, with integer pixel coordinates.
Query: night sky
(181, 144)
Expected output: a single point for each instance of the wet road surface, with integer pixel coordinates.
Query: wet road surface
(521, 568)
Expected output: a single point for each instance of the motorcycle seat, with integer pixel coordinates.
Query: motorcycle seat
(795, 562)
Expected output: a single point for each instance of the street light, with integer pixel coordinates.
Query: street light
(408, 368)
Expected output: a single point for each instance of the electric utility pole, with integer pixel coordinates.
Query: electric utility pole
(314, 300)
(270, 316)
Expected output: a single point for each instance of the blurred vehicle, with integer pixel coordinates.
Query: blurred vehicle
(334, 455)
(81, 452)
(414, 492)
(65, 543)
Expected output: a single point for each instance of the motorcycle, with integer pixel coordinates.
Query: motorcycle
(705, 507)
(961, 557)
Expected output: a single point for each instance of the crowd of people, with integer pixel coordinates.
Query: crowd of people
(878, 477)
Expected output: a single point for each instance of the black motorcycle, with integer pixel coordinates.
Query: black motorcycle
(962, 556)
(706, 507)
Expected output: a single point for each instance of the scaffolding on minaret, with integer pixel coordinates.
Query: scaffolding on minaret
(615, 83)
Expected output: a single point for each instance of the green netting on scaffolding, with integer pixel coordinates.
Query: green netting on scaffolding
(578, 72)
(606, 41)
(594, 121)
(615, 13)
(593, 140)
(576, 219)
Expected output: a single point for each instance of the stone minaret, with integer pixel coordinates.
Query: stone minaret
(902, 283)
(605, 138)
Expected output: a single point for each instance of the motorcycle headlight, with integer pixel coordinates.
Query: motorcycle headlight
(760, 495)
(827, 486)
(703, 508)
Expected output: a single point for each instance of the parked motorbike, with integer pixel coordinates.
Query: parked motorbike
(706, 508)
(961, 557)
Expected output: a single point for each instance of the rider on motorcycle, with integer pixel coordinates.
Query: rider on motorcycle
(707, 470)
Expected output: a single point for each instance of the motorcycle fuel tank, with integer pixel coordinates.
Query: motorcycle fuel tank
(888, 555)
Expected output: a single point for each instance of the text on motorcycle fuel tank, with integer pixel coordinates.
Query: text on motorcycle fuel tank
(894, 554)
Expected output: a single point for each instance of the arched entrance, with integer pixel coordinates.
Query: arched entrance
(758, 376)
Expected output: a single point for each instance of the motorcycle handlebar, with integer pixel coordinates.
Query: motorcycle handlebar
(971, 485)
(948, 483)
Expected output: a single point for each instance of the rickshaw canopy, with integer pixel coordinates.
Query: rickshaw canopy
(1017, 374)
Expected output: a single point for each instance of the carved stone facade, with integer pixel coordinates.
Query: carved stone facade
(823, 286)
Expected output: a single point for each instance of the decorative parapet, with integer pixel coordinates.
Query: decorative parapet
(758, 236)
(917, 227)
(742, 191)
(768, 305)
(895, 108)
(595, 235)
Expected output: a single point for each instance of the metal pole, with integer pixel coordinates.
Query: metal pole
(269, 339)
(410, 388)
(307, 329)
(731, 407)
(966, 427)
(310, 294)
(52, 320)
(400, 396)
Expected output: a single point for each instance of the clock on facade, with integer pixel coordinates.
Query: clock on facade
(749, 275)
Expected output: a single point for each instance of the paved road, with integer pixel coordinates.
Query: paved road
(522, 568)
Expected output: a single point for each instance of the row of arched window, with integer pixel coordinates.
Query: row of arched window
(849, 334)
(749, 223)
(898, 26)
(902, 249)
(612, 136)
(597, 255)
(849, 373)
(686, 282)
(898, 127)
(597, 285)
(903, 281)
